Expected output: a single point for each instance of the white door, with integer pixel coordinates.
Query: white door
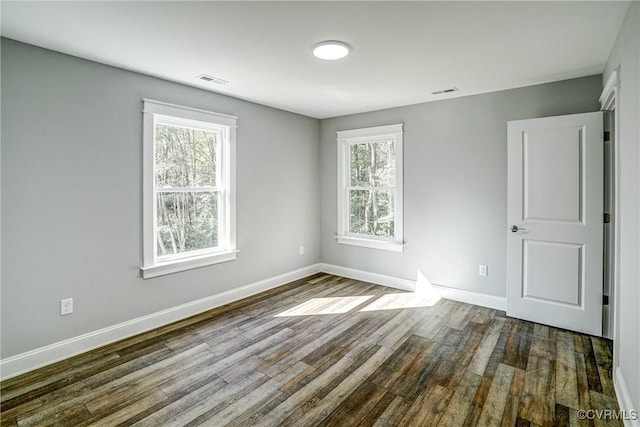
(555, 221)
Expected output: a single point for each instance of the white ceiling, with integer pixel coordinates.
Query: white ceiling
(402, 51)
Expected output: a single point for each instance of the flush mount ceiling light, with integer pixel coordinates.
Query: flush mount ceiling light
(330, 50)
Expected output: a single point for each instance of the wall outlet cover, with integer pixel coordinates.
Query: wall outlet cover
(66, 306)
(483, 270)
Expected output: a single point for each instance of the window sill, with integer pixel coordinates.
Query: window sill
(371, 243)
(174, 266)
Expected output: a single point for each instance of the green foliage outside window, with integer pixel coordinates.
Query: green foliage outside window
(185, 159)
(372, 188)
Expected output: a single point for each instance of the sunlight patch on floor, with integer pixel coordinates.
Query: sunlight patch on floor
(425, 295)
(333, 305)
(403, 300)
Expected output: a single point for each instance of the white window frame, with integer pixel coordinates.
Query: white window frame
(345, 139)
(156, 111)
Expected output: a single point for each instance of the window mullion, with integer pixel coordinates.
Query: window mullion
(370, 188)
(187, 189)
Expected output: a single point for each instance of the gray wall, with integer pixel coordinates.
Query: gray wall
(626, 55)
(71, 196)
(71, 192)
(455, 182)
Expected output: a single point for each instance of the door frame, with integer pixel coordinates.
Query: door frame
(609, 102)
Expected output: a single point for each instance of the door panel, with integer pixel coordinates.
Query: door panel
(548, 269)
(555, 200)
(553, 184)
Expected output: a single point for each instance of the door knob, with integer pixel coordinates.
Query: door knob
(515, 228)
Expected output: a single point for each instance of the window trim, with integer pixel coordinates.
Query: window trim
(344, 140)
(152, 265)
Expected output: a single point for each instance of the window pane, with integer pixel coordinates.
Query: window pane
(361, 165)
(385, 170)
(371, 213)
(373, 164)
(185, 157)
(186, 222)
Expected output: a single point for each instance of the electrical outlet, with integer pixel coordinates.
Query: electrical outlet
(483, 270)
(66, 306)
(301, 251)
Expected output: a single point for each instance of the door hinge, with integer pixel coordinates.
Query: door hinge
(605, 299)
(607, 218)
(607, 135)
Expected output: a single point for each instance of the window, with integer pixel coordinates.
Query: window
(370, 187)
(189, 200)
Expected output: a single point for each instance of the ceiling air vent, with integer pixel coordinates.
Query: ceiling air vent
(211, 79)
(440, 92)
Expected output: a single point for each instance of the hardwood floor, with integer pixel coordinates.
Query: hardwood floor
(275, 360)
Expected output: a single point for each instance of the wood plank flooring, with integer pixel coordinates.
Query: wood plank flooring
(324, 351)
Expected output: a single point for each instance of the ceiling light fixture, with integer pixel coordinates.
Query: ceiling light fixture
(331, 50)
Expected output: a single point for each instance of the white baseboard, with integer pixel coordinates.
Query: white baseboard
(28, 361)
(624, 399)
(37, 358)
(483, 300)
(365, 276)
(475, 298)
